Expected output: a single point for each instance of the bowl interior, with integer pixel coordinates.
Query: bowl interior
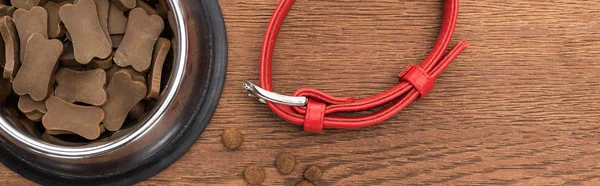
(17, 126)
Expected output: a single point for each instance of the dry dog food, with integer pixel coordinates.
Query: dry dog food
(304, 183)
(136, 48)
(81, 86)
(313, 173)
(124, 93)
(11, 47)
(80, 70)
(232, 138)
(36, 74)
(285, 162)
(89, 40)
(254, 174)
(65, 116)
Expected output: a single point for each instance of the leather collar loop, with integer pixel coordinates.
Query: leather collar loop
(315, 108)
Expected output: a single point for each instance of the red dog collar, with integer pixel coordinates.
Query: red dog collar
(312, 108)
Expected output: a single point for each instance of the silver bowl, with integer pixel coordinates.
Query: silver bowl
(178, 118)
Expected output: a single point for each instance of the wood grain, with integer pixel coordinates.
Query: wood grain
(520, 106)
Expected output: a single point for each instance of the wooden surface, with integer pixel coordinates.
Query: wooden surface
(520, 106)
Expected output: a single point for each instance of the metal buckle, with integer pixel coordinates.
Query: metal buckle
(265, 95)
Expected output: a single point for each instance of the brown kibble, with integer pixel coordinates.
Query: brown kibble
(124, 92)
(137, 46)
(11, 47)
(161, 49)
(125, 5)
(81, 120)
(313, 173)
(89, 40)
(81, 86)
(254, 174)
(27, 4)
(103, 63)
(35, 116)
(304, 183)
(28, 105)
(36, 74)
(232, 138)
(117, 22)
(103, 6)
(55, 27)
(29, 23)
(285, 162)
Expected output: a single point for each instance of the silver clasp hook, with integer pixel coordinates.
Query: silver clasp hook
(264, 95)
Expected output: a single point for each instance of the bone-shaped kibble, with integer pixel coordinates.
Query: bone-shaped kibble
(83, 24)
(124, 92)
(161, 49)
(81, 86)
(29, 23)
(102, 7)
(117, 22)
(55, 27)
(125, 5)
(81, 120)
(136, 48)
(28, 105)
(27, 4)
(36, 73)
(11, 47)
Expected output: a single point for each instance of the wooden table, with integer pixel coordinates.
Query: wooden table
(520, 106)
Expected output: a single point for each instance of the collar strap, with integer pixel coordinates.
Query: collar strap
(312, 108)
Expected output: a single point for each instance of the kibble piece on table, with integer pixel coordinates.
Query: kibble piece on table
(81, 120)
(313, 173)
(124, 92)
(81, 86)
(82, 22)
(126, 5)
(232, 138)
(28, 105)
(285, 162)
(254, 174)
(11, 47)
(55, 27)
(29, 23)
(161, 49)
(36, 74)
(117, 22)
(27, 4)
(138, 43)
(304, 183)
